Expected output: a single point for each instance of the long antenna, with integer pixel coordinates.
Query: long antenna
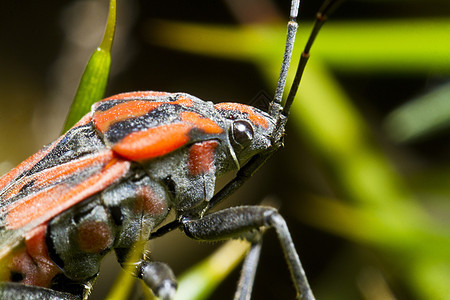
(321, 16)
(274, 109)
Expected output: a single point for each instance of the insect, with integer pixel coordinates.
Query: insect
(113, 178)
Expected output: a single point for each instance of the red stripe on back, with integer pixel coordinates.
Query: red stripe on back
(205, 124)
(35, 158)
(41, 207)
(153, 142)
(121, 112)
(132, 109)
(58, 173)
(25, 165)
(160, 140)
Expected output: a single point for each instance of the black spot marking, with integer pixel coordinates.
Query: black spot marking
(16, 276)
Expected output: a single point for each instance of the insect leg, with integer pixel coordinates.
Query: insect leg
(17, 291)
(248, 272)
(158, 276)
(236, 222)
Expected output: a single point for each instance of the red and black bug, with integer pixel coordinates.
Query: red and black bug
(113, 177)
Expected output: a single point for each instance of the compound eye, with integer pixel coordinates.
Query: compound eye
(241, 133)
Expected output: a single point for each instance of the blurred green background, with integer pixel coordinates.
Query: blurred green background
(364, 179)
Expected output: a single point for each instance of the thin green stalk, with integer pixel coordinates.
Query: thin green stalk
(95, 77)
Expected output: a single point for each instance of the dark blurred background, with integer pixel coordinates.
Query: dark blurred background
(44, 48)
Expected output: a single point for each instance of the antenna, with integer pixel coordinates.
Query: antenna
(325, 10)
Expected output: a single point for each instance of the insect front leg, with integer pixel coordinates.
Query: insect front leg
(158, 276)
(248, 272)
(236, 222)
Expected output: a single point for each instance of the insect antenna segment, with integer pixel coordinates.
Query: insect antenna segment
(275, 106)
(322, 15)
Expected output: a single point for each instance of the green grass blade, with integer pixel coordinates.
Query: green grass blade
(407, 46)
(122, 286)
(420, 117)
(95, 77)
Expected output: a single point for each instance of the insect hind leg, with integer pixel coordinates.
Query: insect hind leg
(236, 222)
